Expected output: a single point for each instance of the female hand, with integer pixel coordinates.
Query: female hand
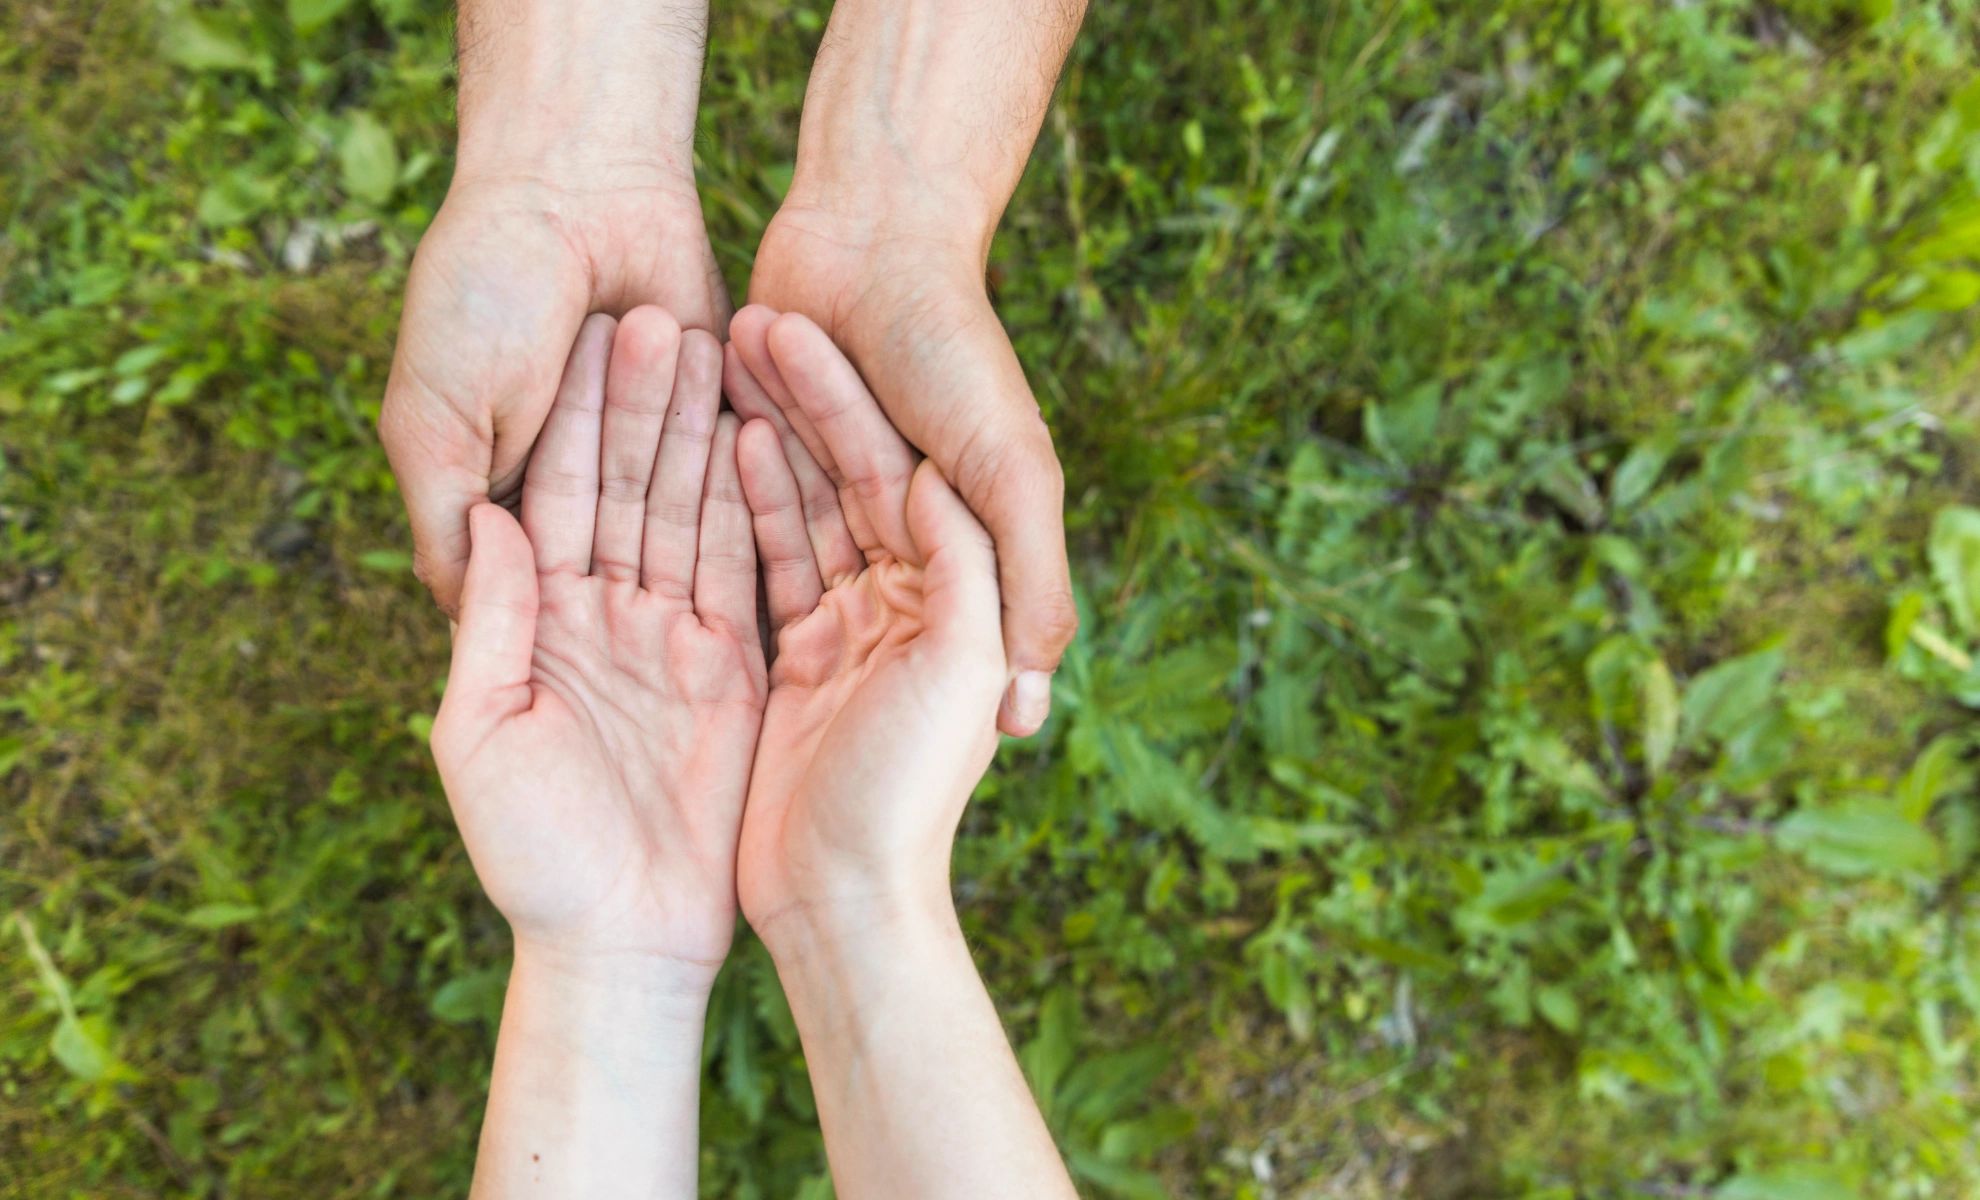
(882, 596)
(608, 682)
(882, 717)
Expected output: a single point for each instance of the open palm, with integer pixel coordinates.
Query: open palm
(882, 591)
(608, 682)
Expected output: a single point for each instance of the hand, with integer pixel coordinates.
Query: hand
(912, 141)
(573, 193)
(882, 717)
(607, 683)
(925, 338)
(883, 601)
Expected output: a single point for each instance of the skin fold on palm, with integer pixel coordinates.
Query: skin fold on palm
(608, 681)
(881, 592)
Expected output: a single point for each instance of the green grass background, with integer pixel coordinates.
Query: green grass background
(1519, 744)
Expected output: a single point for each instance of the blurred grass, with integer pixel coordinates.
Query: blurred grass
(1518, 745)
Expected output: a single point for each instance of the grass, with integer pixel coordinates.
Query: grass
(1519, 744)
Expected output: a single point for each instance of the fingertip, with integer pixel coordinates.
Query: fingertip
(497, 625)
(759, 447)
(648, 333)
(722, 454)
(593, 346)
(748, 327)
(794, 332)
(1026, 704)
(701, 358)
(495, 539)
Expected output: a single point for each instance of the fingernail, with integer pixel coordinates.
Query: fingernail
(1031, 698)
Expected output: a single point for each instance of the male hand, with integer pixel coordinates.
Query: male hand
(914, 136)
(573, 193)
(607, 685)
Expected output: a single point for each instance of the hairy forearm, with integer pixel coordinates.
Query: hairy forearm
(918, 1092)
(596, 1083)
(586, 86)
(926, 110)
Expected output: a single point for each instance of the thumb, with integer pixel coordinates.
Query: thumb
(1013, 483)
(497, 632)
(959, 576)
(441, 464)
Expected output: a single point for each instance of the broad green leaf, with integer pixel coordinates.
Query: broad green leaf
(80, 1043)
(1957, 239)
(234, 198)
(310, 15)
(1888, 340)
(744, 1080)
(1511, 901)
(198, 43)
(1049, 1054)
(1758, 750)
(1730, 694)
(1659, 702)
(1637, 473)
(1866, 837)
(1936, 771)
(1905, 611)
(477, 996)
(1612, 674)
(1802, 1182)
(1402, 954)
(369, 159)
(1563, 481)
(1285, 984)
(1949, 291)
(1104, 1088)
(1954, 552)
(1127, 1183)
(1638, 1066)
(82, 1046)
(219, 916)
(1131, 1141)
(1558, 1005)
(1404, 430)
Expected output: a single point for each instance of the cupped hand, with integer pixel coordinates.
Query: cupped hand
(608, 680)
(882, 594)
(502, 281)
(906, 301)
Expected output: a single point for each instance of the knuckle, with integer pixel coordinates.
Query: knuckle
(1055, 618)
(622, 489)
(676, 513)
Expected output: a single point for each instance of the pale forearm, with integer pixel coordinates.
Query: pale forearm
(927, 109)
(596, 1083)
(586, 86)
(918, 1092)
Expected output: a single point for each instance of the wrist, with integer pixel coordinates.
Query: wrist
(622, 998)
(596, 1077)
(909, 123)
(859, 927)
(947, 221)
(582, 92)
